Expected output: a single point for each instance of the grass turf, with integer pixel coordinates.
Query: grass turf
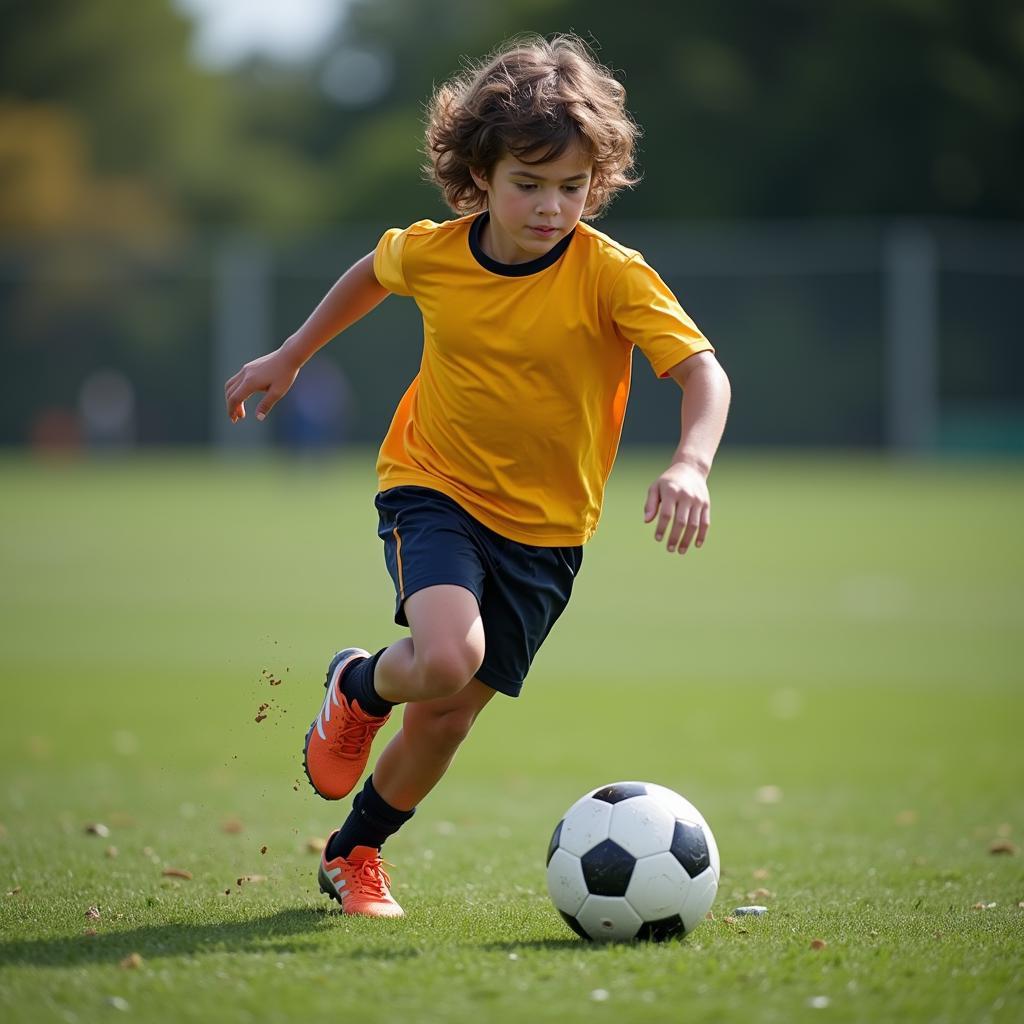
(851, 636)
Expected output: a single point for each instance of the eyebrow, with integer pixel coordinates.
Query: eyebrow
(540, 177)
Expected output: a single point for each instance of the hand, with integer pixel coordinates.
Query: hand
(273, 373)
(680, 497)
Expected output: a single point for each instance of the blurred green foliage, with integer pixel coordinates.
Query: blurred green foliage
(755, 109)
(108, 128)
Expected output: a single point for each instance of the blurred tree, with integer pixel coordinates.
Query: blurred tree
(50, 186)
(756, 109)
(102, 104)
(774, 108)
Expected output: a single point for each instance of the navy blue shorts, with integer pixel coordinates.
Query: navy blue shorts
(521, 589)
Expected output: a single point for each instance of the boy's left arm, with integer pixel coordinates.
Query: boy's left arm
(679, 497)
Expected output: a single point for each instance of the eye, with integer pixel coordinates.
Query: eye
(573, 189)
(524, 187)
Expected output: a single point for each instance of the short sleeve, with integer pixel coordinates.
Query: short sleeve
(387, 261)
(647, 314)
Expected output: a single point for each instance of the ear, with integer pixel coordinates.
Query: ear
(479, 178)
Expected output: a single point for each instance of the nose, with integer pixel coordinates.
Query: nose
(547, 204)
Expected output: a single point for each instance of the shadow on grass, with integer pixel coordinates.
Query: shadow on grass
(511, 946)
(284, 932)
(547, 944)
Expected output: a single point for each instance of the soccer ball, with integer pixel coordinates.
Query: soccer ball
(632, 860)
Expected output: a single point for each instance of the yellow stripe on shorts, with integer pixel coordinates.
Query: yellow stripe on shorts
(398, 555)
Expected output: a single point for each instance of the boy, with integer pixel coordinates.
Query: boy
(493, 471)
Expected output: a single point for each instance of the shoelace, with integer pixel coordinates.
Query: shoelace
(351, 740)
(371, 879)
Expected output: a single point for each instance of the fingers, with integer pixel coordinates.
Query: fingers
(269, 400)
(270, 374)
(680, 499)
(236, 391)
(235, 403)
(651, 504)
(689, 530)
(668, 503)
(703, 526)
(234, 396)
(666, 516)
(679, 537)
(685, 518)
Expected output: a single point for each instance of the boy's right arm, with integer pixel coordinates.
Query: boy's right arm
(355, 293)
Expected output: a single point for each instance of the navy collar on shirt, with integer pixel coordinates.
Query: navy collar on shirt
(512, 269)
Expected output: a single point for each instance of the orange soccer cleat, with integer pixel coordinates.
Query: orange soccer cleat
(338, 742)
(359, 883)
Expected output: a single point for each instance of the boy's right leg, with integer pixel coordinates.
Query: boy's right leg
(351, 868)
(442, 655)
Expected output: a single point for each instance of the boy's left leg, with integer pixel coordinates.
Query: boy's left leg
(418, 755)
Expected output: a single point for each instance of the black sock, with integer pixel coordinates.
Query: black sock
(370, 822)
(357, 684)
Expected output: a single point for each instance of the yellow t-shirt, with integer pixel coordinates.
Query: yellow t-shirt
(517, 409)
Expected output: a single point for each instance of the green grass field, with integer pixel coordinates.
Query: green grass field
(852, 635)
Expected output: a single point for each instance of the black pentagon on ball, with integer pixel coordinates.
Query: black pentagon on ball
(556, 837)
(662, 930)
(607, 869)
(574, 925)
(690, 848)
(620, 791)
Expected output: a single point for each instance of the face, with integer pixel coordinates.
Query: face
(533, 206)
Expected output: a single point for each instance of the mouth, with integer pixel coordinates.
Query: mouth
(543, 232)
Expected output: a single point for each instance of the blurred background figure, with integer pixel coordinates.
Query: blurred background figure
(313, 416)
(106, 407)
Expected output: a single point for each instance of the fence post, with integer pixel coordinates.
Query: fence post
(242, 330)
(911, 383)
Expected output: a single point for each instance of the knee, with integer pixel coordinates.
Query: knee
(446, 669)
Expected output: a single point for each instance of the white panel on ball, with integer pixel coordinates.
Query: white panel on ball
(699, 899)
(678, 804)
(658, 887)
(566, 885)
(716, 863)
(642, 826)
(608, 917)
(586, 824)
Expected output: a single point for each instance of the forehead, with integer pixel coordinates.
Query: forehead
(573, 163)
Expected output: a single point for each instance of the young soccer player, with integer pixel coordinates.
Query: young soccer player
(493, 471)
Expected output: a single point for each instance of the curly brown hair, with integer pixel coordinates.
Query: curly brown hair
(533, 98)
